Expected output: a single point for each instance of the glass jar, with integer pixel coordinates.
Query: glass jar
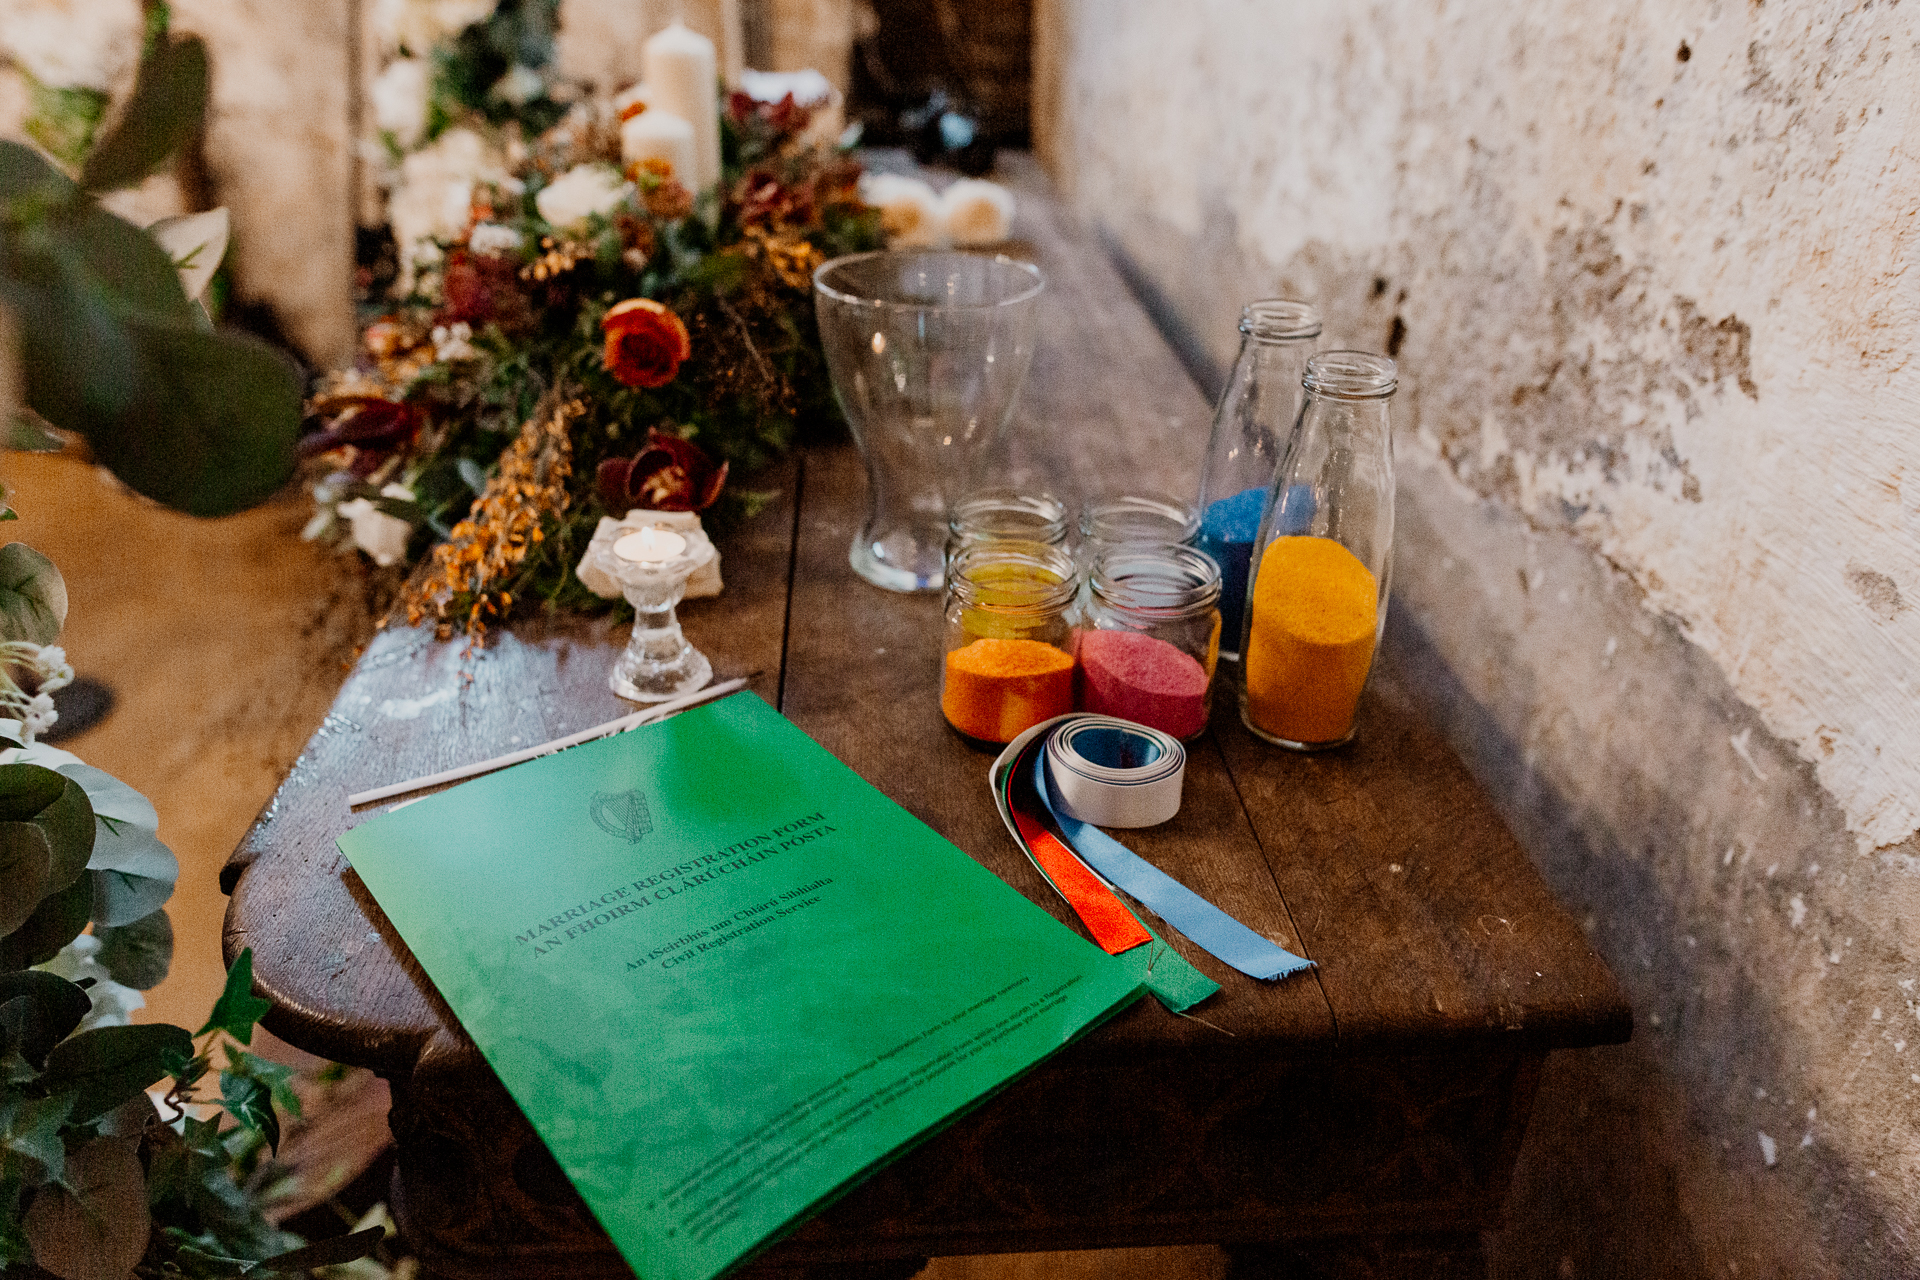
(1006, 513)
(1324, 558)
(1115, 519)
(1149, 637)
(1006, 663)
(1251, 424)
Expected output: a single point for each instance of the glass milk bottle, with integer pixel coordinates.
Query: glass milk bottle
(1323, 558)
(1250, 429)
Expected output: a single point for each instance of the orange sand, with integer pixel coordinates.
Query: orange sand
(997, 689)
(1315, 607)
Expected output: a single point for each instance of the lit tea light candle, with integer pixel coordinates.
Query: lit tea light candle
(650, 546)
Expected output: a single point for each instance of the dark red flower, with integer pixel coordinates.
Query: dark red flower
(645, 343)
(375, 426)
(480, 288)
(670, 474)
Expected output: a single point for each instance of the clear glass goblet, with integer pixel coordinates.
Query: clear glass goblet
(927, 352)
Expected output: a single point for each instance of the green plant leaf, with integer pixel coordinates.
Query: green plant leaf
(26, 859)
(166, 108)
(66, 820)
(323, 1253)
(94, 1224)
(33, 596)
(30, 1146)
(277, 1076)
(212, 423)
(238, 1008)
(138, 955)
(251, 1103)
(26, 435)
(64, 120)
(56, 922)
(133, 874)
(37, 1011)
(107, 1065)
(112, 799)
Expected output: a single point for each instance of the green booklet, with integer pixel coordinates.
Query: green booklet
(723, 976)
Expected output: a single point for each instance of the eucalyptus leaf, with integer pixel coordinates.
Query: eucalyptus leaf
(111, 798)
(69, 826)
(26, 859)
(167, 107)
(196, 242)
(133, 874)
(39, 1010)
(94, 1225)
(118, 898)
(238, 1008)
(107, 1065)
(33, 596)
(211, 426)
(138, 955)
(56, 922)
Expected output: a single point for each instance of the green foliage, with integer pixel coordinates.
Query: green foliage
(46, 837)
(37, 1011)
(33, 596)
(166, 108)
(64, 120)
(137, 955)
(466, 70)
(106, 1066)
(238, 1008)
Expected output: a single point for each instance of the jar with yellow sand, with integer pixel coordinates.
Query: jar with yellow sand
(1006, 665)
(1323, 560)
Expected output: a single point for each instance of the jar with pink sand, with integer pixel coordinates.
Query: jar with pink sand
(1149, 637)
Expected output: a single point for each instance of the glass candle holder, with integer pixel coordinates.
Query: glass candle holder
(927, 353)
(1005, 664)
(1149, 637)
(652, 566)
(1323, 562)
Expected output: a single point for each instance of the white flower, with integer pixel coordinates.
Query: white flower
(399, 96)
(434, 199)
(40, 716)
(519, 86)
(579, 193)
(978, 212)
(55, 44)
(451, 342)
(910, 212)
(418, 25)
(491, 237)
(380, 535)
(112, 1003)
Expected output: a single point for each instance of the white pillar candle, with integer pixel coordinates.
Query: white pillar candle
(656, 134)
(681, 78)
(650, 546)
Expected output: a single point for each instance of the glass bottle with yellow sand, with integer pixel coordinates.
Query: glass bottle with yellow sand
(1323, 560)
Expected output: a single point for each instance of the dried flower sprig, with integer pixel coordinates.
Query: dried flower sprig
(503, 526)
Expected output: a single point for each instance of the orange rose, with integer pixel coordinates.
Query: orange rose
(645, 343)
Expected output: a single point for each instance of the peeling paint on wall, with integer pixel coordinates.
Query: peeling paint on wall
(1645, 267)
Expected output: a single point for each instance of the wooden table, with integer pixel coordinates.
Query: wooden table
(1362, 1119)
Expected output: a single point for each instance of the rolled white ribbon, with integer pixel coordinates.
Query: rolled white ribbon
(1115, 773)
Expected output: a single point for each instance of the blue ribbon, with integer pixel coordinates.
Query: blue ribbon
(1210, 928)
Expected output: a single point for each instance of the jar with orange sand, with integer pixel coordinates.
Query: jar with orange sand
(1318, 598)
(1006, 666)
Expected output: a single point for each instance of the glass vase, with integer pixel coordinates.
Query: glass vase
(926, 352)
(1251, 424)
(1323, 558)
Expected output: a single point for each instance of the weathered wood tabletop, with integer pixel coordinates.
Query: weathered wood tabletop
(1373, 1105)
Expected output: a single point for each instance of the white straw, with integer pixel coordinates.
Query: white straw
(606, 730)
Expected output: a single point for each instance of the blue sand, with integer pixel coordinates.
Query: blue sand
(1227, 532)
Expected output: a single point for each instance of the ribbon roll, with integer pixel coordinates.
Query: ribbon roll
(1115, 773)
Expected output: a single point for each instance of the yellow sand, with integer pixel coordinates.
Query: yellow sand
(1315, 608)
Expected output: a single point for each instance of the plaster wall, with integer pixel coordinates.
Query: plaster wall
(1644, 267)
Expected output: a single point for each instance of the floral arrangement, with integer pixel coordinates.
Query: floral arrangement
(573, 335)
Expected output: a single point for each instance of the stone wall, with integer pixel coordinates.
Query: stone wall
(1643, 268)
